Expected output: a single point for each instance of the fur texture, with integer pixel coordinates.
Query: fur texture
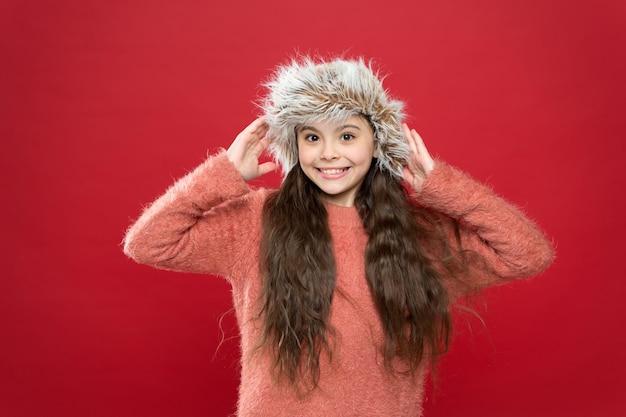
(306, 91)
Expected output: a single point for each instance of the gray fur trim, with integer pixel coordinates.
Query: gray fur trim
(306, 91)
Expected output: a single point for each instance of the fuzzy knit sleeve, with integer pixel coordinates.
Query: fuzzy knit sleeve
(510, 244)
(203, 223)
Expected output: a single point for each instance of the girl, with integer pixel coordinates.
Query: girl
(343, 278)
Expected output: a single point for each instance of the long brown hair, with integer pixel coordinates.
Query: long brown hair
(298, 270)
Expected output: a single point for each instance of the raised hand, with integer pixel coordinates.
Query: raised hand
(246, 149)
(420, 163)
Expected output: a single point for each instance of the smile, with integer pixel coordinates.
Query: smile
(333, 171)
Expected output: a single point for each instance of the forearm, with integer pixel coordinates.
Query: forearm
(511, 244)
(170, 230)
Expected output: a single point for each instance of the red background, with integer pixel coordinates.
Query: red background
(105, 103)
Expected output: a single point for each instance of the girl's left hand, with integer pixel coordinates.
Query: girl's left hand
(420, 163)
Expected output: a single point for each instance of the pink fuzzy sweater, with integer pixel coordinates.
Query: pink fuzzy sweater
(209, 222)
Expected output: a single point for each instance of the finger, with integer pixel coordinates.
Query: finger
(261, 129)
(427, 161)
(419, 142)
(265, 142)
(267, 167)
(256, 126)
(408, 175)
(409, 138)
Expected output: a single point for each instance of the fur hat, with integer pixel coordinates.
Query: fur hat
(306, 91)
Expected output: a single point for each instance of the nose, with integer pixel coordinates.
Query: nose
(329, 151)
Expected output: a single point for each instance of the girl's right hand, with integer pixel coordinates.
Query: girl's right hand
(246, 149)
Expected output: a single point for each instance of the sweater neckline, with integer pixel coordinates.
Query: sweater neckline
(342, 216)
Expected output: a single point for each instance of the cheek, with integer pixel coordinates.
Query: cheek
(301, 155)
(305, 157)
(366, 155)
(299, 151)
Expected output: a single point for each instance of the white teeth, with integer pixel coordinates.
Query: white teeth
(332, 171)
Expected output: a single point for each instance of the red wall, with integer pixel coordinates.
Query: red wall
(105, 103)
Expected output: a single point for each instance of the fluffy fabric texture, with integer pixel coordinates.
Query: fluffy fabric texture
(306, 91)
(209, 222)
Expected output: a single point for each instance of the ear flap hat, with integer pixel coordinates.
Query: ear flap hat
(305, 92)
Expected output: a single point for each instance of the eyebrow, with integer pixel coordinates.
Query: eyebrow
(342, 127)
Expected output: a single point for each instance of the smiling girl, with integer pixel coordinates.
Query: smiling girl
(343, 278)
(336, 157)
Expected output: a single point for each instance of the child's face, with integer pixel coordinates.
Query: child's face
(336, 156)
